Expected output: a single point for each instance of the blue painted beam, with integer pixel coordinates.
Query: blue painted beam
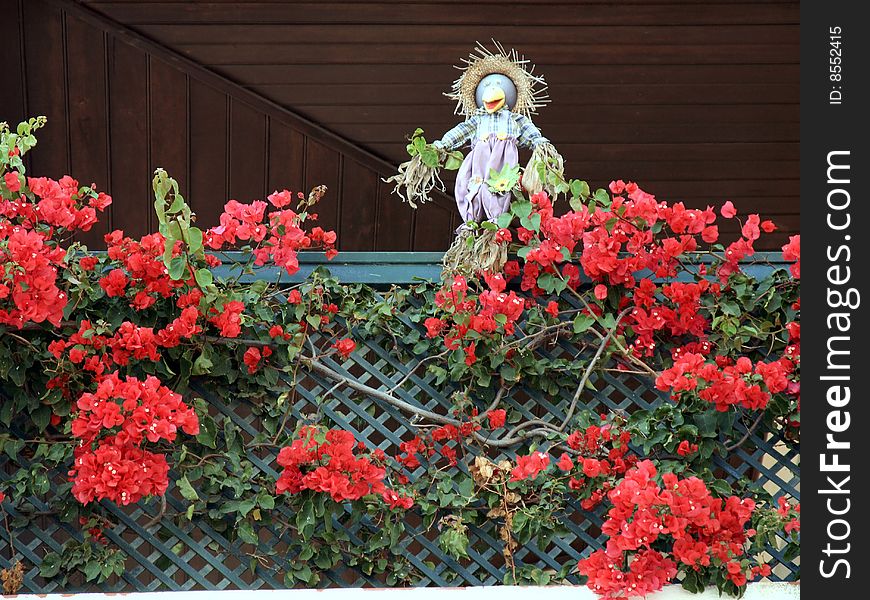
(388, 268)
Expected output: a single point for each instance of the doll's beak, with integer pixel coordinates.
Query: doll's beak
(493, 99)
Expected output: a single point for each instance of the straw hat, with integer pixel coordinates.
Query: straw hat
(531, 88)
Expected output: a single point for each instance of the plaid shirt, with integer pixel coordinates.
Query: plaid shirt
(504, 124)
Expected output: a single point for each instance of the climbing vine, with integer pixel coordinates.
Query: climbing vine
(104, 356)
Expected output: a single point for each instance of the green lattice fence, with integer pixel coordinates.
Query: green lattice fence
(180, 555)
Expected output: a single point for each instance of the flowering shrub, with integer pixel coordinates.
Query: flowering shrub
(703, 533)
(103, 357)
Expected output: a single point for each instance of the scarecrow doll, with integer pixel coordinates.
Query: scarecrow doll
(497, 93)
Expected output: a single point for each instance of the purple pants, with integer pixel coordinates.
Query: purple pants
(473, 197)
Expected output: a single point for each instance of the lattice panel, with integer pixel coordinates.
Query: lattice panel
(193, 555)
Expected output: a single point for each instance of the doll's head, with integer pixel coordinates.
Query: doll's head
(494, 92)
(495, 80)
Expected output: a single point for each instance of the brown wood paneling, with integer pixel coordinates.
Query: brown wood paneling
(247, 147)
(183, 34)
(45, 58)
(431, 227)
(302, 74)
(128, 115)
(359, 206)
(88, 114)
(323, 167)
(12, 91)
(640, 54)
(208, 152)
(394, 225)
(169, 121)
(605, 112)
(521, 14)
(286, 158)
(696, 99)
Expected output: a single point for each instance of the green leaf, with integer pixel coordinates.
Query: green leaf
(204, 277)
(207, 433)
(194, 240)
(504, 220)
(50, 565)
(92, 570)
(601, 197)
(247, 533)
(579, 189)
(454, 542)
(187, 491)
(177, 267)
(430, 157)
(454, 160)
(522, 209)
(202, 365)
(582, 323)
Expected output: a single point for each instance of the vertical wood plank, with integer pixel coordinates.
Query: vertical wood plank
(286, 158)
(12, 109)
(208, 152)
(131, 177)
(168, 123)
(432, 232)
(358, 207)
(88, 115)
(394, 227)
(247, 150)
(46, 86)
(322, 168)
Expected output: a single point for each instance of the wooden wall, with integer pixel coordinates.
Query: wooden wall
(119, 107)
(695, 99)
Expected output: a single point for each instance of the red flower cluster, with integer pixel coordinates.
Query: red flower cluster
(28, 277)
(63, 204)
(440, 439)
(277, 236)
(345, 347)
(30, 256)
(326, 463)
(726, 383)
(144, 277)
(466, 314)
(530, 466)
(603, 458)
(97, 353)
(253, 356)
(113, 424)
(792, 251)
(698, 530)
(790, 513)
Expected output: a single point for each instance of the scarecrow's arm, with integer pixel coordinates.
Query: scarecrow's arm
(545, 169)
(529, 136)
(457, 136)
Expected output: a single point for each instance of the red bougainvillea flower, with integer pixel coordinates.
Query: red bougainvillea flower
(686, 448)
(229, 319)
(496, 418)
(326, 462)
(345, 347)
(13, 183)
(529, 467)
(792, 252)
(700, 528)
(113, 424)
(254, 355)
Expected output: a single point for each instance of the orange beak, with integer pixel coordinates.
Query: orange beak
(493, 99)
